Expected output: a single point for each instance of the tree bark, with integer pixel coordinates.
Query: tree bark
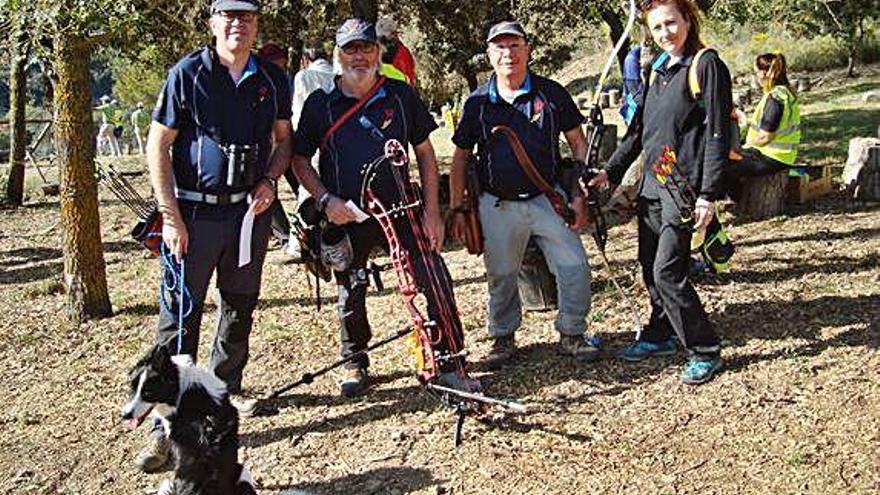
(763, 197)
(616, 27)
(17, 115)
(84, 272)
(365, 9)
(470, 75)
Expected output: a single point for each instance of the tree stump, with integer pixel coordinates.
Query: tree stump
(537, 285)
(613, 97)
(861, 174)
(763, 197)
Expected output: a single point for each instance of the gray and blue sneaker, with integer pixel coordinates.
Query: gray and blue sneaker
(698, 371)
(641, 349)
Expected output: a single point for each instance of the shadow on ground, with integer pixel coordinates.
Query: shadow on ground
(383, 480)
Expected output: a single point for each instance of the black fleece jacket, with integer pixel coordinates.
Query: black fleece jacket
(699, 131)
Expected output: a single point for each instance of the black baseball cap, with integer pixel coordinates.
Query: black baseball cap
(505, 27)
(234, 5)
(355, 30)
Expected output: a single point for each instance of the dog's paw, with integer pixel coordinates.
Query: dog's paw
(166, 488)
(246, 484)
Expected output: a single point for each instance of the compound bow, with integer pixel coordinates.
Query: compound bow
(423, 279)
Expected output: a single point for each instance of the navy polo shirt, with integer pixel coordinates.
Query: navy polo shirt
(394, 112)
(537, 115)
(209, 110)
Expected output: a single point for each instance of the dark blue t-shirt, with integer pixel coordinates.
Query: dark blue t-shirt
(210, 112)
(394, 112)
(538, 114)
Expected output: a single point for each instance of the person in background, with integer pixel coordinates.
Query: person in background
(396, 53)
(117, 119)
(140, 122)
(698, 133)
(105, 131)
(315, 73)
(276, 54)
(632, 83)
(774, 131)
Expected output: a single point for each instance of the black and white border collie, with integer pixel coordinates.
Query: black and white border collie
(199, 419)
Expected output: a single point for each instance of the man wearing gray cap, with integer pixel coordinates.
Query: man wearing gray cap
(514, 205)
(351, 125)
(213, 167)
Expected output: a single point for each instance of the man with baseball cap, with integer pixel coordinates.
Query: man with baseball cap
(219, 140)
(513, 208)
(347, 140)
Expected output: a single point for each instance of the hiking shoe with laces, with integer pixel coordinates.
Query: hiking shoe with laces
(578, 347)
(698, 371)
(247, 407)
(154, 457)
(459, 381)
(355, 382)
(501, 352)
(641, 349)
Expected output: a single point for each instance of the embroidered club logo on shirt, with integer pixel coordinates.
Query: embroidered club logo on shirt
(263, 92)
(538, 109)
(387, 117)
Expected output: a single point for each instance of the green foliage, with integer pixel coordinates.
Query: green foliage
(849, 21)
(740, 44)
(138, 79)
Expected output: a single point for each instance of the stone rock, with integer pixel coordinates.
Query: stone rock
(861, 174)
(871, 96)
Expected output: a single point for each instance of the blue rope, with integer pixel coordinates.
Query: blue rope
(180, 315)
(173, 281)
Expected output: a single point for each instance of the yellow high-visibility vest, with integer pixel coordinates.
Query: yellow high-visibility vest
(392, 72)
(784, 146)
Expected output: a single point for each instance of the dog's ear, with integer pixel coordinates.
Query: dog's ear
(161, 358)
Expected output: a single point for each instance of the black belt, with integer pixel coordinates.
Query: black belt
(209, 198)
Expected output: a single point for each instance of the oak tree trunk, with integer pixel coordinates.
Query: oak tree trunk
(84, 273)
(365, 9)
(615, 31)
(14, 193)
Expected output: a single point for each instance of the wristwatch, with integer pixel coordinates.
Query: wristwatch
(323, 200)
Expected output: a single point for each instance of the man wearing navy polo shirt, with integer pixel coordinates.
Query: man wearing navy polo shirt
(213, 168)
(512, 208)
(391, 110)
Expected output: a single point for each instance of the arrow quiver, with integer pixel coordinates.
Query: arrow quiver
(470, 211)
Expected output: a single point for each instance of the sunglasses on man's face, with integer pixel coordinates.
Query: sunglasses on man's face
(355, 47)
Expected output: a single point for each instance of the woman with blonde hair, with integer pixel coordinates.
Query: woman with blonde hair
(673, 118)
(774, 131)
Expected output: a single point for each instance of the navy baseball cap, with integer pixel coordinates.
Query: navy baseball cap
(505, 27)
(355, 30)
(234, 5)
